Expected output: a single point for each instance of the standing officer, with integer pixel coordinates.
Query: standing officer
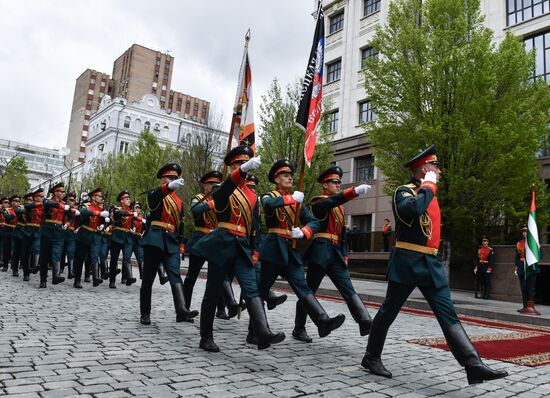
(483, 268)
(527, 282)
(328, 254)
(122, 239)
(88, 238)
(69, 243)
(52, 234)
(228, 250)
(277, 255)
(161, 242)
(31, 242)
(414, 263)
(10, 222)
(205, 222)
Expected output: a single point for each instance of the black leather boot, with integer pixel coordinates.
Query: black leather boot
(145, 305)
(372, 359)
(130, 279)
(299, 332)
(264, 336)
(140, 267)
(251, 337)
(467, 356)
(163, 278)
(207, 328)
(56, 279)
(360, 314)
(318, 315)
(229, 298)
(95, 275)
(182, 313)
(34, 266)
(274, 300)
(43, 284)
(220, 310)
(70, 274)
(87, 271)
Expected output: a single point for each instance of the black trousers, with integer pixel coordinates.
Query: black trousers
(527, 287)
(6, 249)
(17, 253)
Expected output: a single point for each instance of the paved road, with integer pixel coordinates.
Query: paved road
(63, 342)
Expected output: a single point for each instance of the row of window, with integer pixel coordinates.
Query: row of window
(366, 114)
(336, 22)
(521, 10)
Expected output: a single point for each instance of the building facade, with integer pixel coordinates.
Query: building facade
(138, 71)
(117, 125)
(43, 163)
(350, 26)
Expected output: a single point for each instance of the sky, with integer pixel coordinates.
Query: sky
(47, 44)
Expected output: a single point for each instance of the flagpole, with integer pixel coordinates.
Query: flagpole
(235, 113)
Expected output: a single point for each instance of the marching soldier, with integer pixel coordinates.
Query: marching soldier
(88, 238)
(31, 242)
(106, 235)
(10, 222)
(137, 233)
(69, 243)
(527, 282)
(414, 263)
(327, 253)
(483, 268)
(161, 242)
(205, 222)
(18, 234)
(228, 250)
(122, 239)
(52, 234)
(277, 255)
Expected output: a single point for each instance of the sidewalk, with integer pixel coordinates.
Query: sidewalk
(464, 301)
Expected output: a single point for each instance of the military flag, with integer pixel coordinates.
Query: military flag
(532, 246)
(310, 108)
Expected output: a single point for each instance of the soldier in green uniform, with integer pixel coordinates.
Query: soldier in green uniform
(69, 244)
(122, 239)
(18, 235)
(92, 221)
(31, 231)
(327, 254)
(414, 263)
(161, 242)
(52, 235)
(10, 226)
(205, 222)
(277, 255)
(7, 229)
(228, 250)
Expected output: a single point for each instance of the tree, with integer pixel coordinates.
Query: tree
(441, 80)
(281, 139)
(14, 178)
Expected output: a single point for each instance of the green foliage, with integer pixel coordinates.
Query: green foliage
(13, 179)
(281, 139)
(441, 80)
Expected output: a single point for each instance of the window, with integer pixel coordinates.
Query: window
(165, 77)
(333, 71)
(163, 87)
(166, 66)
(371, 6)
(522, 10)
(157, 62)
(90, 92)
(123, 147)
(147, 126)
(366, 53)
(541, 43)
(127, 121)
(336, 23)
(154, 84)
(179, 102)
(102, 84)
(366, 114)
(92, 81)
(333, 121)
(137, 125)
(157, 128)
(364, 168)
(188, 105)
(165, 132)
(100, 148)
(196, 107)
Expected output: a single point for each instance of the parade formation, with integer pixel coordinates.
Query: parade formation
(46, 232)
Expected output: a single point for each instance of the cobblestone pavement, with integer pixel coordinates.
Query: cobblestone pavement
(64, 342)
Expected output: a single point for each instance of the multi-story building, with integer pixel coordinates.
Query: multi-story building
(350, 26)
(118, 124)
(43, 163)
(138, 71)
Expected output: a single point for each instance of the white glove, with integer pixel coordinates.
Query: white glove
(107, 229)
(515, 273)
(430, 177)
(76, 213)
(176, 184)
(363, 188)
(297, 233)
(67, 207)
(252, 164)
(136, 215)
(298, 196)
(475, 271)
(107, 220)
(143, 220)
(104, 213)
(100, 227)
(64, 227)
